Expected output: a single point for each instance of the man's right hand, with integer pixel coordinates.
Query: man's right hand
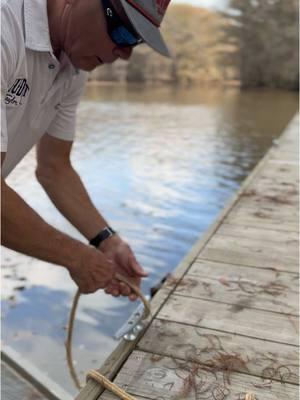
(93, 271)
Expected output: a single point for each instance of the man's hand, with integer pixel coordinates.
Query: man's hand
(118, 251)
(94, 271)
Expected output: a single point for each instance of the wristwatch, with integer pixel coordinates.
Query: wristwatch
(106, 233)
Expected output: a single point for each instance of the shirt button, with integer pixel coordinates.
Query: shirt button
(51, 66)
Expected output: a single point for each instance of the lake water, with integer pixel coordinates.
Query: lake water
(159, 163)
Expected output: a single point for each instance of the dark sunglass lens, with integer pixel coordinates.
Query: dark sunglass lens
(120, 34)
(122, 37)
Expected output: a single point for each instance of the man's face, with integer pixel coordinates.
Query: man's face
(85, 38)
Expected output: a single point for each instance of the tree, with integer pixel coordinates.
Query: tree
(267, 32)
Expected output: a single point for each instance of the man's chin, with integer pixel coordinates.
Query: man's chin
(87, 68)
(86, 65)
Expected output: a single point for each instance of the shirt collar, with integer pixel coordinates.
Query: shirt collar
(37, 35)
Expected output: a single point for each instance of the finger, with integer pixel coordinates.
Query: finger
(108, 290)
(116, 290)
(133, 297)
(115, 293)
(136, 267)
(112, 290)
(109, 275)
(125, 290)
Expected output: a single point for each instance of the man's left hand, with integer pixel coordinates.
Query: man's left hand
(121, 254)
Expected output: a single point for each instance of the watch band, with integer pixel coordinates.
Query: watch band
(104, 234)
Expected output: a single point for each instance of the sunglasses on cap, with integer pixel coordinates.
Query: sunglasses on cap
(120, 33)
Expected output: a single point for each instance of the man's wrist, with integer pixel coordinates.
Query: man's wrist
(110, 242)
(101, 236)
(73, 250)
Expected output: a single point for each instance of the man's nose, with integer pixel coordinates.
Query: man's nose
(123, 52)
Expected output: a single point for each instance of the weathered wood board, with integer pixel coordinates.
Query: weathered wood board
(276, 171)
(233, 318)
(274, 236)
(211, 347)
(268, 209)
(164, 378)
(259, 288)
(250, 252)
(274, 202)
(271, 200)
(266, 219)
(287, 155)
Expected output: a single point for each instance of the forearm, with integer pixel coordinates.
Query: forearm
(23, 230)
(67, 192)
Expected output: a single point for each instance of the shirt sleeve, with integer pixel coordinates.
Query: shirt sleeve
(8, 65)
(3, 126)
(64, 124)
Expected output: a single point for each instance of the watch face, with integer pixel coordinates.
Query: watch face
(104, 234)
(110, 231)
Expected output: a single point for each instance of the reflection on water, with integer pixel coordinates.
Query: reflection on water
(160, 164)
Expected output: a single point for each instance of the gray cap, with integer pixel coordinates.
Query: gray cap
(146, 17)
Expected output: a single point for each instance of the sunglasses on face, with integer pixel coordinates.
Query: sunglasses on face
(120, 33)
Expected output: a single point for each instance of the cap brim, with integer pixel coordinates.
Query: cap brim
(148, 31)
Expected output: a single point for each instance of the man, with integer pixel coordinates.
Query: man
(45, 47)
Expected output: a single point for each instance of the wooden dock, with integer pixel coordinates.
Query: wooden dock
(226, 323)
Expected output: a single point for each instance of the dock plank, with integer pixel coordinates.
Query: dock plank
(251, 202)
(232, 318)
(289, 238)
(210, 347)
(234, 284)
(288, 215)
(250, 252)
(284, 248)
(263, 219)
(164, 378)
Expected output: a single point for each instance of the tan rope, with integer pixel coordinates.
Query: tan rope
(93, 374)
(69, 341)
(250, 396)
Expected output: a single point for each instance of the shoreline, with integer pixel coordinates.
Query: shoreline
(156, 84)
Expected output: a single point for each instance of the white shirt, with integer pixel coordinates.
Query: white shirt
(39, 94)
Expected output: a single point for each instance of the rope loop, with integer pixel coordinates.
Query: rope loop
(93, 374)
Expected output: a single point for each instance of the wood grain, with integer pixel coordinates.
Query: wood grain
(252, 356)
(258, 288)
(250, 252)
(290, 239)
(164, 378)
(236, 318)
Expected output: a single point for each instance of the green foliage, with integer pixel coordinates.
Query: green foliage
(194, 36)
(267, 32)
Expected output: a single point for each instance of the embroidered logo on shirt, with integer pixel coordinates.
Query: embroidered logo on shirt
(17, 92)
